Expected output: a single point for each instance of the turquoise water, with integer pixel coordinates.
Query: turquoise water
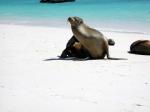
(133, 15)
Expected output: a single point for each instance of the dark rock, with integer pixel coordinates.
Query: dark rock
(140, 47)
(55, 1)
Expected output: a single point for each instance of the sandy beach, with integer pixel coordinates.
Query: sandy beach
(30, 84)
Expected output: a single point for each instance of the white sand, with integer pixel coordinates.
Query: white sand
(29, 84)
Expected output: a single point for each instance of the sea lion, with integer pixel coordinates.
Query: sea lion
(93, 40)
(75, 49)
(140, 47)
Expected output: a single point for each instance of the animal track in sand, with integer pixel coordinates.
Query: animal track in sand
(79, 98)
(138, 105)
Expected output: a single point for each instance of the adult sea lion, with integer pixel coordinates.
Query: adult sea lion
(140, 47)
(93, 40)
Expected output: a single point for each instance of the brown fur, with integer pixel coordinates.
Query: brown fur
(94, 41)
(140, 47)
(74, 49)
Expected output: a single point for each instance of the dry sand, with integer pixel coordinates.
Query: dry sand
(29, 84)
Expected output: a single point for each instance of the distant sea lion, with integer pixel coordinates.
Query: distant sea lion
(55, 1)
(91, 39)
(140, 47)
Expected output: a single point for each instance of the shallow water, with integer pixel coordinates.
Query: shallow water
(128, 15)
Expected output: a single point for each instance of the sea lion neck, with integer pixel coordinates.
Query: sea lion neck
(74, 27)
(77, 26)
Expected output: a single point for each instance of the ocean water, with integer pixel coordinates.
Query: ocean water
(121, 15)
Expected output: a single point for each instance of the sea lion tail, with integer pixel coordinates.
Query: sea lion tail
(111, 42)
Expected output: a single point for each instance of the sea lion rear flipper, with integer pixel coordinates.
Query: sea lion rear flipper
(111, 58)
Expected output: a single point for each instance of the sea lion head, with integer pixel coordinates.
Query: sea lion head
(75, 21)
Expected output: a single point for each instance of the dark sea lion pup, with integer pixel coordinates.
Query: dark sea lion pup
(140, 47)
(91, 39)
(74, 49)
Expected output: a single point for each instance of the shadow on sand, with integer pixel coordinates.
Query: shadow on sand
(69, 59)
(137, 53)
(81, 59)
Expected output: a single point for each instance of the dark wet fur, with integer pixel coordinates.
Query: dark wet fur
(72, 51)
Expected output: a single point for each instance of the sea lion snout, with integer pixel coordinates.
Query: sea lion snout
(70, 19)
(75, 21)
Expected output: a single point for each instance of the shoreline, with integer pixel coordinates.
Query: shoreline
(67, 26)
